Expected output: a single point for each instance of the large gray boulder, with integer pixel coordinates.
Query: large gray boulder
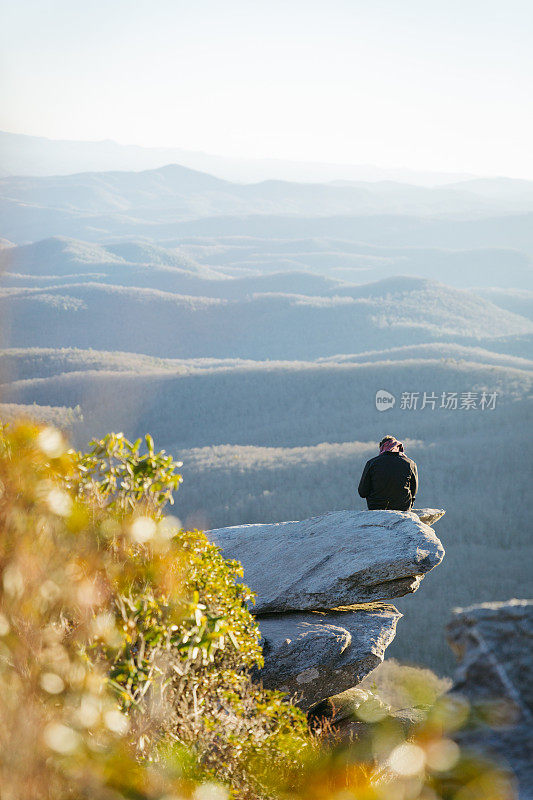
(494, 645)
(315, 655)
(335, 560)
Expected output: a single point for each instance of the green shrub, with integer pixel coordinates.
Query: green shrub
(115, 474)
(62, 734)
(187, 641)
(124, 641)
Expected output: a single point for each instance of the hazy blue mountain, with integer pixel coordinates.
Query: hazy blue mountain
(510, 188)
(144, 265)
(18, 364)
(129, 262)
(501, 244)
(508, 231)
(176, 192)
(56, 256)
(445, 351)
(336, 230)
(392, 312)
(108, 192)
(147, 253)
(28, 223)
(519, 301)
(286, 404)
(358, 262)
(41, 362)
(60, 255)
(36, 155)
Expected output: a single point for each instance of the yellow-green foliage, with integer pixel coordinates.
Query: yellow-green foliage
(184, 656)
(125, 647)
(116, 474)
(122, 640)
(62, 734)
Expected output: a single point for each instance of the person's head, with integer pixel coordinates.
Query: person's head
(390, 444)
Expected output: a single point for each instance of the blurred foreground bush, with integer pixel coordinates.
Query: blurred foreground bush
(125, 647)
(125, 642)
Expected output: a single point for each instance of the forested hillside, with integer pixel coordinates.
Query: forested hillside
(262, 326)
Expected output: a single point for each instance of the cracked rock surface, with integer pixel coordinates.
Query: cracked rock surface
(338, 559)
(314, 655)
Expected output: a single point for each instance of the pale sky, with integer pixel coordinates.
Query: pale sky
(424, 84)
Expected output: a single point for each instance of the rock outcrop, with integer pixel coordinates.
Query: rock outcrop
(321, 585)
(332, 561)
(429, 515)
(494, 645)
(315, 655)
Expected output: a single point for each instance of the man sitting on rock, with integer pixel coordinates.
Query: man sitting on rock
(390, 480)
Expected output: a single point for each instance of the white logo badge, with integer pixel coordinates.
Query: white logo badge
(384, 400)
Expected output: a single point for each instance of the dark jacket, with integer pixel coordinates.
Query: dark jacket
(389, 480)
